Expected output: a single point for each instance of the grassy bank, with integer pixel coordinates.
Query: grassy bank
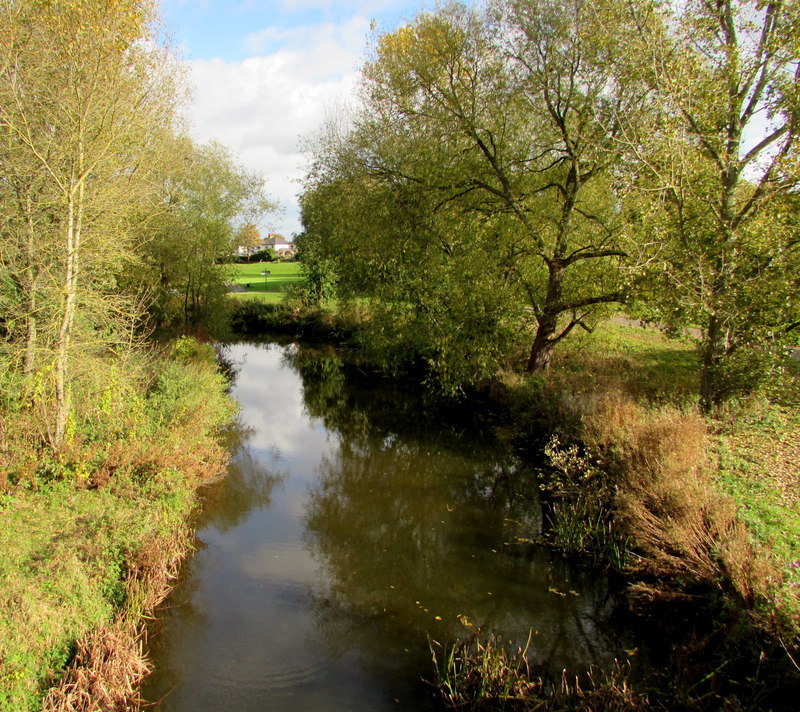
(92, 535)
(620, 379)
(699, 513)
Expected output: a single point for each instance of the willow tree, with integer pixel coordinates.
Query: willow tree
(84, 101)
(498, 132)
(719, 170)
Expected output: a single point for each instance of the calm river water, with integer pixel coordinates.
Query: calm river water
(359, 521)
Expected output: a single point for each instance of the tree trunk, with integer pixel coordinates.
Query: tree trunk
(714, 350)
(30, 286)
(73, 240)
(29, 362)
(542, 349)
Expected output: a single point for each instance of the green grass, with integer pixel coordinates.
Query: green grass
(63, 566)
(282, 276)
(253, 296)
(759, 464)
(641, 362)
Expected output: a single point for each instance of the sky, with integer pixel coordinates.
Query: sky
(265, 72)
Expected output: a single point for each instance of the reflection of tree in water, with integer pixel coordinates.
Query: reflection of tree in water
(225, 504)
(248, 485)
(353, 402)
(412, 520)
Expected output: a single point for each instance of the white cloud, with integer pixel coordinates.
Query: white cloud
(261, 107)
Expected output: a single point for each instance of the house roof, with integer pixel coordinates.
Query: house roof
(273, 239)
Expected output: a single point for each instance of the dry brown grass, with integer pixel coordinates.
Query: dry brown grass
(601, 691)
(683, 528)
(110, 663)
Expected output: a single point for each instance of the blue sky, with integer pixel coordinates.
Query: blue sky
(206, 29)
(265, 74)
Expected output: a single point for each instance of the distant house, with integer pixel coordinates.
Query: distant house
(278, 243)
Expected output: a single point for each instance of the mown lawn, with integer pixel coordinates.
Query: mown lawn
(269, 287)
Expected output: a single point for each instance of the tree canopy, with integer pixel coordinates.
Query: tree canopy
(514, 170)
(718, 179)
(89, 132)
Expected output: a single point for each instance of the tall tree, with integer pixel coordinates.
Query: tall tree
(723, 161)
(206, 200)
(497, 134)
(83, 102)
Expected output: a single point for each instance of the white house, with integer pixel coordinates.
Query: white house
(278, 243)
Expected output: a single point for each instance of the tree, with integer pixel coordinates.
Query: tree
(207, 200)
(487, 149)
(569, 63)
(84, 101)
(722, 163)
(249, 238)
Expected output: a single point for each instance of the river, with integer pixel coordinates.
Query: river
(360, 522)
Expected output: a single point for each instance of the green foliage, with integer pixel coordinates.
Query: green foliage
(319, 277)
(75, 523)
(180, 396)
(190, 350)
(188, 248)
(719, 185)
(581, 494)
(268, 255)
(474, 183)
(483, 675)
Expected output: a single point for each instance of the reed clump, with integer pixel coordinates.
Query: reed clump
(683, 530)
(483, 674)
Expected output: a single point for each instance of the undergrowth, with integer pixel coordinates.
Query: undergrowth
(84, 527)
(700, 514)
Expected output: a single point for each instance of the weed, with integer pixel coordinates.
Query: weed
(475, 675)
(580, 517)
(479, 675)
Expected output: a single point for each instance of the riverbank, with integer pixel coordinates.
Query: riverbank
(92, 537)
(699, 514)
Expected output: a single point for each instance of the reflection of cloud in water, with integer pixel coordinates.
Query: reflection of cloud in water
(331, 555)
(287, 564)
(270, 394)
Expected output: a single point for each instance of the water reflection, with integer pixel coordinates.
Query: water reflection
(358, 519)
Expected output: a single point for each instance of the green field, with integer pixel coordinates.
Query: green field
(269, 287)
